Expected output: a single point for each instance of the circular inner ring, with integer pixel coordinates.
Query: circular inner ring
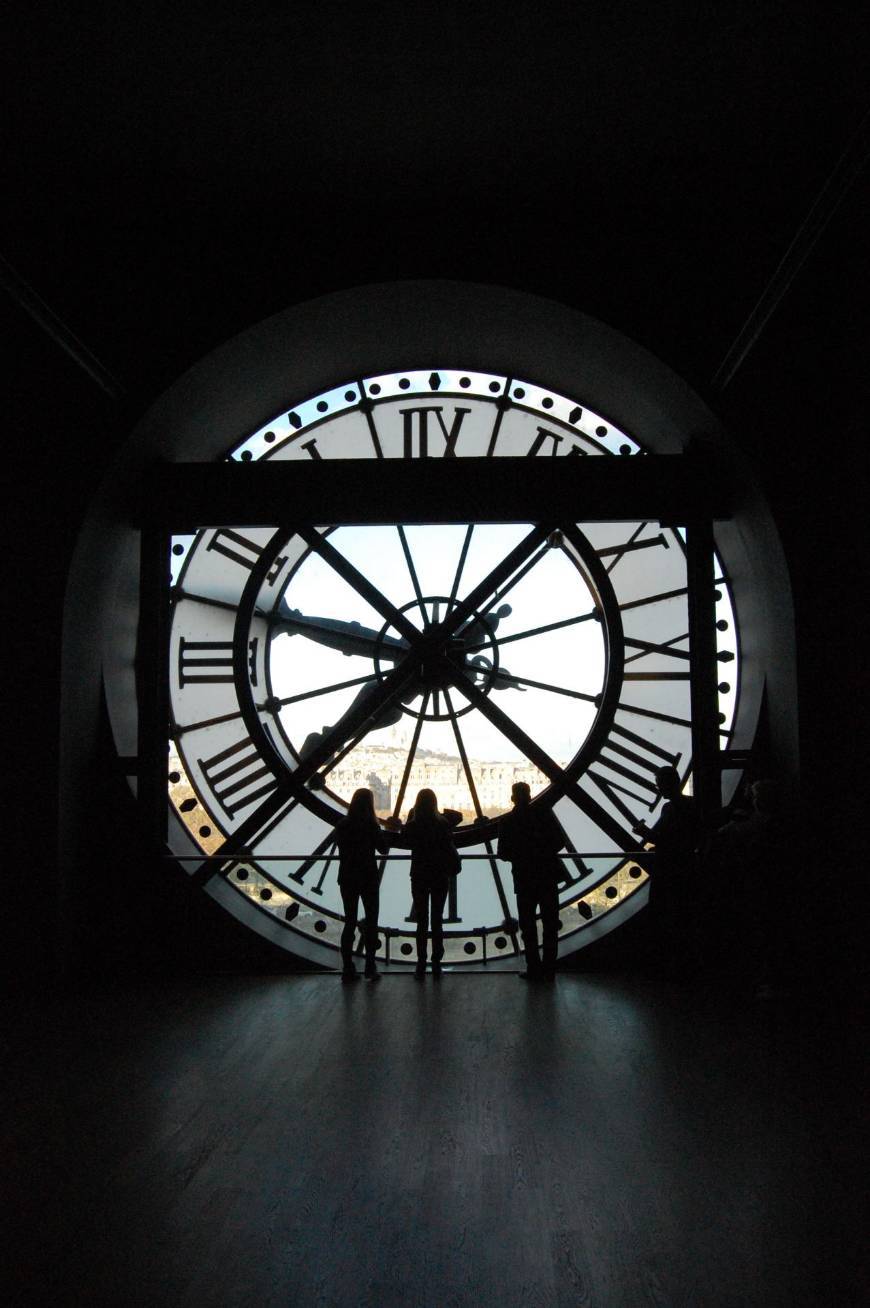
(435, 672)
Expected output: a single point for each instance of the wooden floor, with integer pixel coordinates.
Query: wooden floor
(292, 1141)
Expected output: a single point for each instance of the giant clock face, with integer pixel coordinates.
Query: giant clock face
(463, 658)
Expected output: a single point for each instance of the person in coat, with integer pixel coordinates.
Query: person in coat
(433, 861)
(360, 840)
(530, 840)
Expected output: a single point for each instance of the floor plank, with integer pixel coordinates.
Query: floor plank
(273, 1141)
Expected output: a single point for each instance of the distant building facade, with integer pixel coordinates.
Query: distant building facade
(381, 768)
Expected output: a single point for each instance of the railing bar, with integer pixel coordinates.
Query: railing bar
(334, 858)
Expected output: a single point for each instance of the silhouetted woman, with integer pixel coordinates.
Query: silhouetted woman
(360, 839)
(433, 861)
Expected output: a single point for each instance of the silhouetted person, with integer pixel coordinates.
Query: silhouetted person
(675, 839)
(530, 841)
(359, 839)
(433, 861)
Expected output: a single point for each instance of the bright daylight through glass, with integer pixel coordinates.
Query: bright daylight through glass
(541, 629)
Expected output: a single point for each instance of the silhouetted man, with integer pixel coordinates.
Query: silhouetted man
(530, 840)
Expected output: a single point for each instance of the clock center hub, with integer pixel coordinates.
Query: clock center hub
(470, 651)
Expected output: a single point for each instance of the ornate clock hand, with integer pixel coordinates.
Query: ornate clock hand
(387, 718)
(290, 787)
(348, 637)
(481, 668)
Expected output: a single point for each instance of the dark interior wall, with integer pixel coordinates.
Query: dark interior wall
(174, 179)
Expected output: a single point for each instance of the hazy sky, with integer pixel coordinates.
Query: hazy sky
(572, 657)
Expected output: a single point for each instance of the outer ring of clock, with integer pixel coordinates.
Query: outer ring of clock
(310, 348)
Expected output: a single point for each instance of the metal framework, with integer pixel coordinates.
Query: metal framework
(677, 490)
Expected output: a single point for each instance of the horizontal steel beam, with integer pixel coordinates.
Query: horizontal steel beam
(670, 488)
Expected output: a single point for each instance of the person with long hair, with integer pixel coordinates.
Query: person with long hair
(433, 861)
(360, 840)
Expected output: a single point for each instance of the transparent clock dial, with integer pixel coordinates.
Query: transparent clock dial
(568, 669)
(534, 648)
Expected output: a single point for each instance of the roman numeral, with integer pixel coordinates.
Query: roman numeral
(232, 771)
(233, 545)
(311, 448)
(211, 661)
(324, 851)
(545, 435)
(452, 915)
(654, 714)
(649, 647)
(653, 756)
(644, 755)
(568, 877)
(617, 552)
(653, 599)
(419, 419)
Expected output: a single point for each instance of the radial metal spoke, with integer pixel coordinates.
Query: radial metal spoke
(177, 594)
(410, 759)
(460, 745)
(541, 759)
(483, 591)
(208, 722)
(324, 690)
(406, 550)
(506, 725)
(358, 582)
(523, 572)
(499, 890)
(534, 631)
(454, 589)
(475, 799)
(543, 685)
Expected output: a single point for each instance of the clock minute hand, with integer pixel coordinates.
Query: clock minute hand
(348, 637)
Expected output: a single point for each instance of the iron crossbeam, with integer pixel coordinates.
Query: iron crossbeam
(668, 488)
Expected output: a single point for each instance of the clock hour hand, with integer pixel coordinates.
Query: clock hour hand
(386, 718)
(348, 637)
